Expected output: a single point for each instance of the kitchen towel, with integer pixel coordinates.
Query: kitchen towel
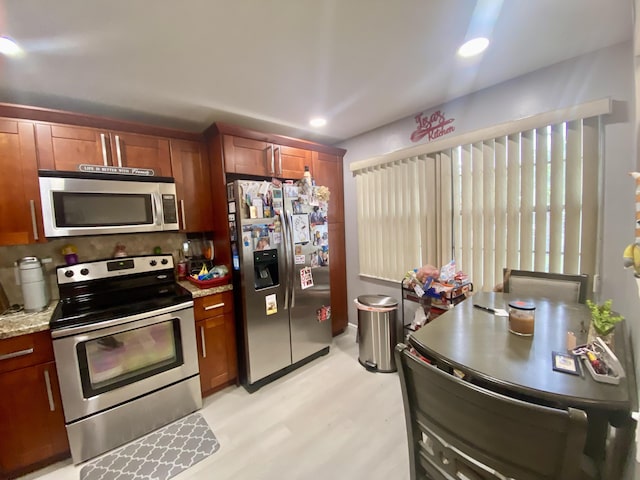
(159, 455)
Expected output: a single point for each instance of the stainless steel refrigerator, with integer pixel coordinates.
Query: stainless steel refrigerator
(280, 248)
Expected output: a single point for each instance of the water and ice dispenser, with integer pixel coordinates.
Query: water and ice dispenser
(265, 265)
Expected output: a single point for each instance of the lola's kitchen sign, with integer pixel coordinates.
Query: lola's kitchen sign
(432, 126)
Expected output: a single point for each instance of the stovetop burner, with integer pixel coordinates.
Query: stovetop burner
(102, 290)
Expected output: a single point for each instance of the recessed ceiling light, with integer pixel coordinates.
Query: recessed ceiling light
(8, 47)
(317, 122)
(473, 47)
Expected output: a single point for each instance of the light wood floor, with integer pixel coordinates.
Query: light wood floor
(331, 419)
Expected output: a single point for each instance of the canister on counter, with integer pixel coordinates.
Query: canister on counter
(522, 316)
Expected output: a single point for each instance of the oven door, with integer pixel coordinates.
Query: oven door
(104, 365)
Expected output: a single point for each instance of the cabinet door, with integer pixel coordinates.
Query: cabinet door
(327, 171)
(141, 151)
(20, 217)
(212, 355)
(31, 418)
(65, 147)
(190, 167)
(250, 157)
(290, 162)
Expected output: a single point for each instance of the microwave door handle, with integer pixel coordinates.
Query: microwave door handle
(156, 209)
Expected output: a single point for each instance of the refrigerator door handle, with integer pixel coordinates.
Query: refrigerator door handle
(292, 275)
(286, 259)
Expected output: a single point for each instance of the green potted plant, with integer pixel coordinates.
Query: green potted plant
(602, 319)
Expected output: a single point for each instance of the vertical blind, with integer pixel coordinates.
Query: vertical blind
(527, 200)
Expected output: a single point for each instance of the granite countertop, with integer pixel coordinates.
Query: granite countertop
(197, 292)
(21, 323)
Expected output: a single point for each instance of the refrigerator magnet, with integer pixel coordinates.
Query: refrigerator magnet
(301, 228)
(291, 191)
(300, 259)
(277, 238)
(323, 313)
(271, 304)
(306, 278)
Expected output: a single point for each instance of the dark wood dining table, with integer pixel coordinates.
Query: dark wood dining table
(478, 344)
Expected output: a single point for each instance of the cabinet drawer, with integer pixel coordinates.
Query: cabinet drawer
(212, 305)
(25, 350)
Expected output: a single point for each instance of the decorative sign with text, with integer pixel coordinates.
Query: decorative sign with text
(432, 126)
(143, 172)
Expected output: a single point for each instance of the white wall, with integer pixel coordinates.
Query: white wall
(605, 73)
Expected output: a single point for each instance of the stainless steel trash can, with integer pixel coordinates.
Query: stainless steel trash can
(377, 332)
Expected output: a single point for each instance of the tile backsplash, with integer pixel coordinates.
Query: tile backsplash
(89, 248)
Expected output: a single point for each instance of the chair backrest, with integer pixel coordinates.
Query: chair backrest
(554, 286)
(462, 431)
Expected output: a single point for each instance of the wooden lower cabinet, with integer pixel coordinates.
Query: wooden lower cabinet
(216, 338)
(32, 431)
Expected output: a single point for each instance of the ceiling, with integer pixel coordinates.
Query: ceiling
(273, 64)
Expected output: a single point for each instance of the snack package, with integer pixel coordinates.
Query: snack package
(448, 272)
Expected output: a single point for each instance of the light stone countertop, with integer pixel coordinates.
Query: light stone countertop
(21, 323)
(197, 292)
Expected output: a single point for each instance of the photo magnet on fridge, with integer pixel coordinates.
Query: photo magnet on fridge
(271, 304)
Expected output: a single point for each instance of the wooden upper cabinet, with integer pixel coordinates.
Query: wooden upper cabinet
(62, 147)
(290, 161)
(254, 157)
(327, 170)
(141, 151)
(66, 147)
(247, 156)
(190, 167)
(20, 215)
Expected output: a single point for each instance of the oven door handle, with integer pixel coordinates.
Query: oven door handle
(109, 327)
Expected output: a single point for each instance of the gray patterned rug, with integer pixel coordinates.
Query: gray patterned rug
(159, 455)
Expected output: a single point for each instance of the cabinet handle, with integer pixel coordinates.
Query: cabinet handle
(47, 381)
(204, 348)
(32, 206)
(217, 305)
(118, 153)
(273, 165)
(19, 353)
(104, 149)
(279, 160)
(184, 219)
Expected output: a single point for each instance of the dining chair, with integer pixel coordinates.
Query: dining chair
(554, 286)
(458, 430)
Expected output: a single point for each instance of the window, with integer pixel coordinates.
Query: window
(524, 199)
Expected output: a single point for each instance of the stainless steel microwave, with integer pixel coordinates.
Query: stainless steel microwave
(78, 203)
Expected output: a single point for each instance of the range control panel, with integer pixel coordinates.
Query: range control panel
(115, 267)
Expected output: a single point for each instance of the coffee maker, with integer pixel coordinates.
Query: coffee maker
(30, 276)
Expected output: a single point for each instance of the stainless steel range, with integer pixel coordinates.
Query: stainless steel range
(125, 349)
